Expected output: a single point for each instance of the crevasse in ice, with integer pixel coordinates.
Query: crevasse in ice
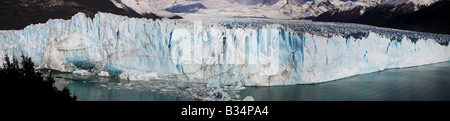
(209, 52)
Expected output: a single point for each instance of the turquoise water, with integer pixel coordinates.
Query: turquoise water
(422, 83)
(92, 91)
(92, 88)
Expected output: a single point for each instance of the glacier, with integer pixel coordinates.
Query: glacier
(249, 52)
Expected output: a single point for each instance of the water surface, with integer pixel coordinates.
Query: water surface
(421, 83)
(93, 88)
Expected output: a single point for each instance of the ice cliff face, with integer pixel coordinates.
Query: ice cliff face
(247, 52)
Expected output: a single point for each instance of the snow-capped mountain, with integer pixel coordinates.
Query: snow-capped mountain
(275, 9)
(359, 8)
(390, 9)
(434, 18)
(372, 12)
(314, 8)
(16, 14)
(377, 14)
(220, 8)
(309, 9)
(145, 6)
(416, 2)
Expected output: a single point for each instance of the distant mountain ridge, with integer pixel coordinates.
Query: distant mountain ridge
(17, 14)
(434, 18)
(400, 14)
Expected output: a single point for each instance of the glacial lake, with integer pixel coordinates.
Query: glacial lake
(93, 88)
(421, 83)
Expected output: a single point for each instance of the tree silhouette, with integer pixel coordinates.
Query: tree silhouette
(24, 83)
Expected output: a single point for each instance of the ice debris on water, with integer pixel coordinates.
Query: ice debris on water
(198, 91)
(103, 73)
(82, 72)
(104, 85)
(248, 98)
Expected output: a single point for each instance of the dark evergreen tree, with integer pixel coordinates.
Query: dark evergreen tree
(24, 83)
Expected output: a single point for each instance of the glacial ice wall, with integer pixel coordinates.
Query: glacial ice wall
(262, 55)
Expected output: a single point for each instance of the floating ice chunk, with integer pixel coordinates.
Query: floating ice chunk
(248, 98)
(138, 76)
(220, 94)
(237, 87)
(82, 72)
(226, 96)
(103, 73)
(128, 86)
